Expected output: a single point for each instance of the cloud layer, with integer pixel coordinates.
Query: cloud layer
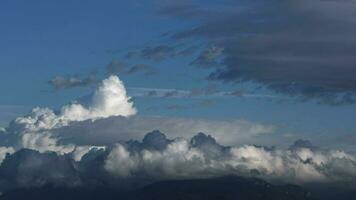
(113, 129)
(134, 163)
(301, 48)
(202, 157)
(98, 145)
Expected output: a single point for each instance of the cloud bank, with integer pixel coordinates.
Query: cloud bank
(300, 48)
(158, 158)
(98, 144)
(202, 157)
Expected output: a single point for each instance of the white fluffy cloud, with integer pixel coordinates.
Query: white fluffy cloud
(110, 99)
(182, 160)
(4, 151)
(35, 131)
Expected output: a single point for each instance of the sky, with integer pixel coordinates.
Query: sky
(111, 93)
(284, 64)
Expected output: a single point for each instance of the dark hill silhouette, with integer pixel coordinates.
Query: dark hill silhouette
(224, 188)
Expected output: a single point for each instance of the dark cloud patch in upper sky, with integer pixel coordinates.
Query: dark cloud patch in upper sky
(60, 82)
(118, 67)
(162, 52)
(171, 93)
(157, 52)
(301, 48)
(146, 69)
(208, 57)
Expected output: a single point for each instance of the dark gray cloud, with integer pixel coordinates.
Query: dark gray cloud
(145, 69)
(118, 67)
(152, 93)
(60, 82)
(162, 51)
(208, 57)
(29, 168)
(157, 52)
(301, 48)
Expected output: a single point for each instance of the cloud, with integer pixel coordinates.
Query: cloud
(60, 82)
(204, 92)
(157, 52)
(145, 69)
(35, 130)
(202, 157)
(4, 151)
(299, 48)
(110, 99)
(97, 144)
(209, 57)
(158, 158)
(28, 168)
(162, 51)
(113, 129)
(9, 112)
(117, 67)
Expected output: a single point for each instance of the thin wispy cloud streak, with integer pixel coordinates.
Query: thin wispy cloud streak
(176, 93)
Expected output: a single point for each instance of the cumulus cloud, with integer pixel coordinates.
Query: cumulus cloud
(110, 99)
(35, 130)
(157, 157)
(28, 168)
(4, 151)
(202, 157)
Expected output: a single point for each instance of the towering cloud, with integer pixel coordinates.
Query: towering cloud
(110, 99)
(35, 130)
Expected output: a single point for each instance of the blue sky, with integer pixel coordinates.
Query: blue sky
(44, 39)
